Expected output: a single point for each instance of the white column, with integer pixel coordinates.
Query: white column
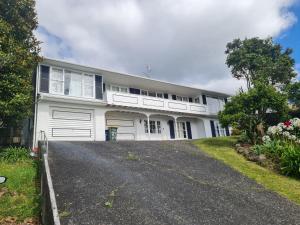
(176, 127)
(148, 123)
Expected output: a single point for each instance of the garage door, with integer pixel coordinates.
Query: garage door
(71, 124)
(126, 128)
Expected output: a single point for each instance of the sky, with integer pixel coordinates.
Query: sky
(180, 41)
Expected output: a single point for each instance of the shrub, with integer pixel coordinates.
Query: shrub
(290, 161)
(14, 154)
(243, 138)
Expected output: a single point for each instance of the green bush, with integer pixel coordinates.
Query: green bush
(244, 139)
(14, 154)
(290, 160)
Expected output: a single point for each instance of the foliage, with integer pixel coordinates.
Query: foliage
(14, 154)
(283, 144)
(20, 194)
(18, 57)
(294, 93)
(260, 59)
(222, 149)
(248, 110)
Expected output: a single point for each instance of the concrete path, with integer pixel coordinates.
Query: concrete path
(169, 182)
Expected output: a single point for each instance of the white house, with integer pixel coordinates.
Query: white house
(80, 103)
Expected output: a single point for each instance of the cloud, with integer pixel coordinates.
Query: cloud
(183, 40)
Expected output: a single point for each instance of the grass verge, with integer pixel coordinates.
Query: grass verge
(223, 149)
(19, 196)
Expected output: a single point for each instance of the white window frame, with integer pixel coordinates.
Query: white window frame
(145, 92)
(50, 79)
(63, 88)
(119, 88)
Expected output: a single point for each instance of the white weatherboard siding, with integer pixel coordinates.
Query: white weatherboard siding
(71, 123)
(80, 103)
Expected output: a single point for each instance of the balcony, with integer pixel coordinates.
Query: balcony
(147, 102)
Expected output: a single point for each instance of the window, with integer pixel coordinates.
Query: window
(197, 100)
(158, 127)
(178, 98)
(72, 83)
(88, 82)
(185, 99)
(152, 127)
(143, 92)
(124, 89)
(152, 94)
(159, 95)
(115, 88)
(146, 126)
(76, 84)
(57, 81)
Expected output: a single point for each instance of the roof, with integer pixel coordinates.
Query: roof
(137, 81)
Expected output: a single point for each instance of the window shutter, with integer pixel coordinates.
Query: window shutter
(104, 88)
(98, 87)
(204, 99)
(213, 129)
(190, 100)
(44, 79)
(174, 97)
(166, 96)
(227, 131)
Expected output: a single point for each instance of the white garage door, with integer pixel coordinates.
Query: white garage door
(71, 124)
(126, 128)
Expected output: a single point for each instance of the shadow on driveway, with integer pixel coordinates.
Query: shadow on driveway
(167, 182)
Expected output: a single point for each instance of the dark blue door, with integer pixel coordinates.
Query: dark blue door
(189, 130)
(213, 129)
(171, 125)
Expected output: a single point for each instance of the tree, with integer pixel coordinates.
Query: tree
(19, 51)
(260, 59)
(294, 93)
(248, 110)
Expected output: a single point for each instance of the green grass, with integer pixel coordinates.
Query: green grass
(223, 149)
(20, 198)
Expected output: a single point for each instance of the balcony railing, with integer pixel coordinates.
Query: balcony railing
(147, 102)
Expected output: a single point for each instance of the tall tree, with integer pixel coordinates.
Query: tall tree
(294, 93)
(19, 51)
(260, 59)
(248, 111)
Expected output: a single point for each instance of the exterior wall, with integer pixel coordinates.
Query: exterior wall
(43, 118)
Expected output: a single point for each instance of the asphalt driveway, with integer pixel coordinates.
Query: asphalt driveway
(169, 182)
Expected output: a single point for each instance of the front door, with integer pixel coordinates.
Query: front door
(172, 130)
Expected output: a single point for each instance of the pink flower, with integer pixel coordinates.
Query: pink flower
(287, 123)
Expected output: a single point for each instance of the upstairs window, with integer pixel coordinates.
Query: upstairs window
(67, 82)
(57, 81)
(159, 95)
(88, 82)
(152, 94)
(143, 92)
(119, 89)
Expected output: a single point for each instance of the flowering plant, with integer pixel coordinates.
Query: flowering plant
(288, 131)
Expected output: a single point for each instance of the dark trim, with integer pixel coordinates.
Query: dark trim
(204, 100)
(60, 128)
(98, 87)
(90, 115)
(189, 130)
(213, 129)
(44, 78)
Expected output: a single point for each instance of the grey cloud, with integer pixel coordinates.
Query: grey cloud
(183, 40)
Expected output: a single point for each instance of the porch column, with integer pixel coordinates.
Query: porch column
(148, 123)
(176, 127)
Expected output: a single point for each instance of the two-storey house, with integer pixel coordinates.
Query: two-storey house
(80, 103)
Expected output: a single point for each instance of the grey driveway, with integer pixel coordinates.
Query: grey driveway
(157, 183)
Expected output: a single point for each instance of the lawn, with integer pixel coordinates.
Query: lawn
(19, 196)
(223, 149)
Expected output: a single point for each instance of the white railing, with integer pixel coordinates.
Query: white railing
(147, 102)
